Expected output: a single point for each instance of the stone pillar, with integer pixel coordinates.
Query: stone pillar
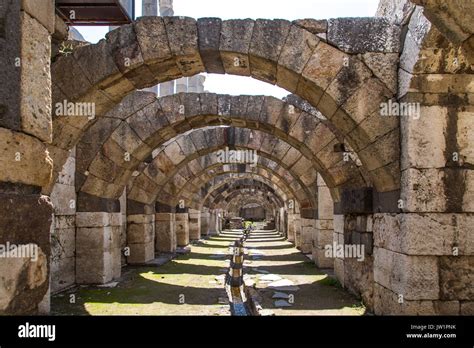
(220, 221)
(149, 7)
(338, 239)
(123, 227)
(182, 229)
(424, 252)
(98, 247)
(352, 245)
(166, 9)
(194, 224)
(292, 218)
(165, 233)
(63, 237)
(182, 85)
(359, 267)
(308, 227)
(213, 223)
(196, 84)
(205, 222)
(323, 234)
(141, 238)
(25, 167)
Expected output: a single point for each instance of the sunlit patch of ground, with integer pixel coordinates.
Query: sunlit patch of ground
(187, 285)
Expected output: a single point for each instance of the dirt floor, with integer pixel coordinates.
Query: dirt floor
(193, 284)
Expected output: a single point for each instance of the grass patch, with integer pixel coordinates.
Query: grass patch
(330, 281)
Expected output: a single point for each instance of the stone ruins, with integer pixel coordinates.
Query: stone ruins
(373, 147)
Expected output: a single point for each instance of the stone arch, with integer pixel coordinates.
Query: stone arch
(258, 186)
(199, 106)
(229, 195)
(166, 163)
(330, 75)
(191, 191)
(244, 202)
(224, 181)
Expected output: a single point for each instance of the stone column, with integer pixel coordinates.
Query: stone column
(166, 9)
(141, 238)
(308, 227)
(98, 247)
(182, 85)
(323, 235)
(205, 222)
(196, 84)
(212, 223)
(165, 233)
(424, 252)
(140, 232)
(220, 221)
(352, 245)
(182, 229)
(292, 218)
(150, 8)
(63, 237)
(359, 266)
(194, 224)
(338, 239)
(25, 167)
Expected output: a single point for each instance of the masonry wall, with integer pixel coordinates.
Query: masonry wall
(25, 165)
(423, 256)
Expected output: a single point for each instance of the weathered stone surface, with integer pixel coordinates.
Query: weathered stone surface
(339, 270)
(140, 233)
(361, 35)
(182, 229)
(359, 278)
(63, 273)
(397, 11)
(93, 219)
(414, 277)
(24, 282)
(234, 45)
(36, 76)
(42, 11)
(141, 252)
(321, 69)
(209, 30)
(23, 159)
(294, 55)
(420, 149)
(165, 234)
(424, 234)
(386, 302)
(314, 26)
(183, 40)
(456, 276)
(64, 199)
(384, 66)
(467, 308)
(97, 255)
(153, 41)
(423, 190)
(268, 40)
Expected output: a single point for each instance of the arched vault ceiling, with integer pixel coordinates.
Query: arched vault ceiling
(332, 76)
(121, 149)
(156, 175)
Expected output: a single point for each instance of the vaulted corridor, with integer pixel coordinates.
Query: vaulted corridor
(286, 281)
